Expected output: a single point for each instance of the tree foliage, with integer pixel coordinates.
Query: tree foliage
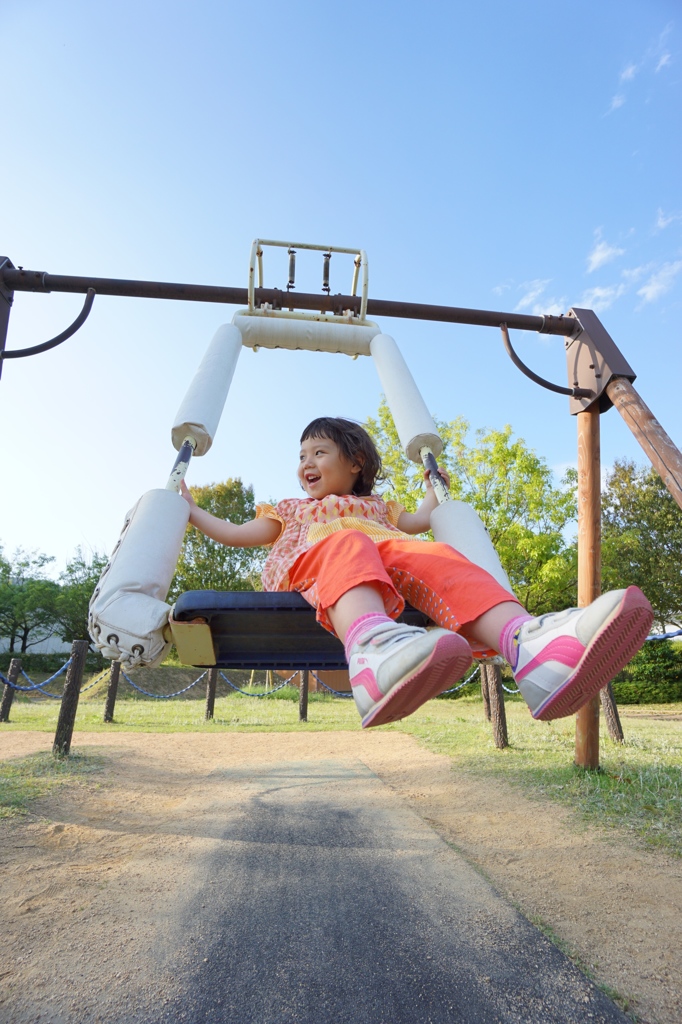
(642, 539)
(28, 600)
(513, 491)
(78, 580)
(207, 565)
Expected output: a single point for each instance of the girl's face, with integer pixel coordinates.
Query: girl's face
(323, 470)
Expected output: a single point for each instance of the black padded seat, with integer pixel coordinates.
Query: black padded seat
(268, 630)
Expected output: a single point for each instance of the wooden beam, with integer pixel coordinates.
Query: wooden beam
(663, 454)
(589, 564)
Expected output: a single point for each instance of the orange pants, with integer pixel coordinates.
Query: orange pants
(433, 577)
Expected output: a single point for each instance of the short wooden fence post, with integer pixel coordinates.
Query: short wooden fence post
(303, 696)
(498, 714)
(9, 691)
(611, 716)
(72, 689)
(112, 690)
(485, 694)
(210, 693)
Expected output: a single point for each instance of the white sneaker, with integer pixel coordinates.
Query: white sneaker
(395, 668)
(563, 659)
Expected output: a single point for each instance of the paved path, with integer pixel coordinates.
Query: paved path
(325, 900)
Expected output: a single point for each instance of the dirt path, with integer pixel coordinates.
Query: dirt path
(86, 878)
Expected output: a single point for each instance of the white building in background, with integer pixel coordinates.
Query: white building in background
(51, 645)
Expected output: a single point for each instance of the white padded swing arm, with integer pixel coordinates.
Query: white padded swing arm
(453, 522)
(128, 619)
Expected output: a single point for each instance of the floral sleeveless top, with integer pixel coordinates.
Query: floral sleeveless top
(306, 521)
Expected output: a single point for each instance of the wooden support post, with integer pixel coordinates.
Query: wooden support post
(72, 689)
(303, 696)
(485, 690)
(611, 716)
(9, 691)
(112, 690)
(498, 714)
(210, 693)
(589, 564)
(663, 454)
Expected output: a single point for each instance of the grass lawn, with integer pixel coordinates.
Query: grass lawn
(638, 789)
(23, 779)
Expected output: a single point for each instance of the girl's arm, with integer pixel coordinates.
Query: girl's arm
(253, 534)
(420, 521)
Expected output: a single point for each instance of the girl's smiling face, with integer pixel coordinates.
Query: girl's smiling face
(323, 470)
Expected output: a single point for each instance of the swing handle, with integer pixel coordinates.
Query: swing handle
(437, 481)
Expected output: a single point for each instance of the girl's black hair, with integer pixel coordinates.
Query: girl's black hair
(354, 443)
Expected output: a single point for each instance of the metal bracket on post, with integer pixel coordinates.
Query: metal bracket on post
(6, 300)
(593, 360)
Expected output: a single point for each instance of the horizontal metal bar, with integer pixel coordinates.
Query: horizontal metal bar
(38, 281)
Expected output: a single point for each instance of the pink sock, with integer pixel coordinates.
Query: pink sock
(507, 636)
(361, 626)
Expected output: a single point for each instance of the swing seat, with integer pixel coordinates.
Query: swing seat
(250, 629)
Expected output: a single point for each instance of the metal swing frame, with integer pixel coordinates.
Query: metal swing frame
(598, 375)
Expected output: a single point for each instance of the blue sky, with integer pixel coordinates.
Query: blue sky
(503, 156)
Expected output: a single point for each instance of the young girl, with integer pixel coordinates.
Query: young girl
(351, 555)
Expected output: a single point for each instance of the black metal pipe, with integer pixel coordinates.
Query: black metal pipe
(39, 281)
(34, 350)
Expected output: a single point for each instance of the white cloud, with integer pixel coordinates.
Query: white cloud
(663, 220)
(663, 61)
(550, 307)
(601, 253)
(660, 282)
(600, 299)
(633, 274)
(629, 73)
(617, 101)
(500, 289)
(534, 290)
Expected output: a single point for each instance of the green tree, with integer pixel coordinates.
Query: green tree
(512, 489)
(28, 600)
(642, 538)
(78, 580)
(207, 565)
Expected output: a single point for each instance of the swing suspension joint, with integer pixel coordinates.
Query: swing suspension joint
(45, 346)
(574, 392)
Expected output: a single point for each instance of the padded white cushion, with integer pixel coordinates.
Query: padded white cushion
(458, 524)
(128, 612)
(202, 406)
(413, 420)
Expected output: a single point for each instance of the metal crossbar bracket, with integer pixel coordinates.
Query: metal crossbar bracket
(593, 360)
(292, 301)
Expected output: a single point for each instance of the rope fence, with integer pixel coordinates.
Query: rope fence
(35, 686)
(337, 693)
(40, 687)
(162, 696)
(267, 693)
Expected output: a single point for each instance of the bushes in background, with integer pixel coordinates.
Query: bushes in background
(654, 676)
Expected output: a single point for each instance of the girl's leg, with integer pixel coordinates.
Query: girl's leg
(561, 660)
(358, 602)
(393, 667)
